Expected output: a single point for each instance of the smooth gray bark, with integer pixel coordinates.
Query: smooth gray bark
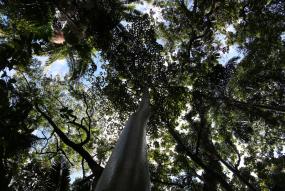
(127, 168)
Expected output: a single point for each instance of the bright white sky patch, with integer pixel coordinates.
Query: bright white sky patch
(58, 67)
(232, 52)
(283, 36)
(148, 8)
(74, 174)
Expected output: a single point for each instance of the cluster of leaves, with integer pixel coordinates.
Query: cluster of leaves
(214, 126)
(15, 134)
(37, 176)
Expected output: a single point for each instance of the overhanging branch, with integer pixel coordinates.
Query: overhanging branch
(94, 166)
(198, 161)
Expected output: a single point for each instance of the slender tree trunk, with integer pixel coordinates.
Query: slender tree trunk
(4, 175)
(211, 181)
(127, 168)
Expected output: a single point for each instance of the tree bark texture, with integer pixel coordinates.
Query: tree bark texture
(127, 168)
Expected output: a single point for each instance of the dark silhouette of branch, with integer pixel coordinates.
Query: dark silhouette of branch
(198, 161)
(260, 106)
(65, 155)
(87, 113)
(232, 145)
(94, 166)
(81, 126)
(83, 169)
(211, 148)
(237, 173)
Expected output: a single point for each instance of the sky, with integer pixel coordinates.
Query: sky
(59, 67)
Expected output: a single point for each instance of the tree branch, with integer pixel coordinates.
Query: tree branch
(63, 152)
(81, 126)
(261, 106)
(237, 173)
(95, 168)
(198, 161)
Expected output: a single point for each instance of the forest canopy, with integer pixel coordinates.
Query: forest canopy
(214, 70)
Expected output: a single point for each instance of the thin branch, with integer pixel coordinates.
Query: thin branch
(261, 106)
(87, 178)
(214, 152)
(81, 126)
(197, 160)
(65, 155)
(87, 113)
(193, 34)
(195, 5)
(94, 166)
(46, 139)
(237, 173)
(236, 151)
(202, 128)
(82, 166)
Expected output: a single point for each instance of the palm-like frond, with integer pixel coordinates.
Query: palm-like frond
(78, 61)
(58, 53)
(59, 176)
(36, 176)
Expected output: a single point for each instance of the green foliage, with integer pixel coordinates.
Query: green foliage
(214, 125)
(59, 175)
(38, 176)
(14, 111)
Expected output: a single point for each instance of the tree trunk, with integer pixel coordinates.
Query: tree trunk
(127, 168)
